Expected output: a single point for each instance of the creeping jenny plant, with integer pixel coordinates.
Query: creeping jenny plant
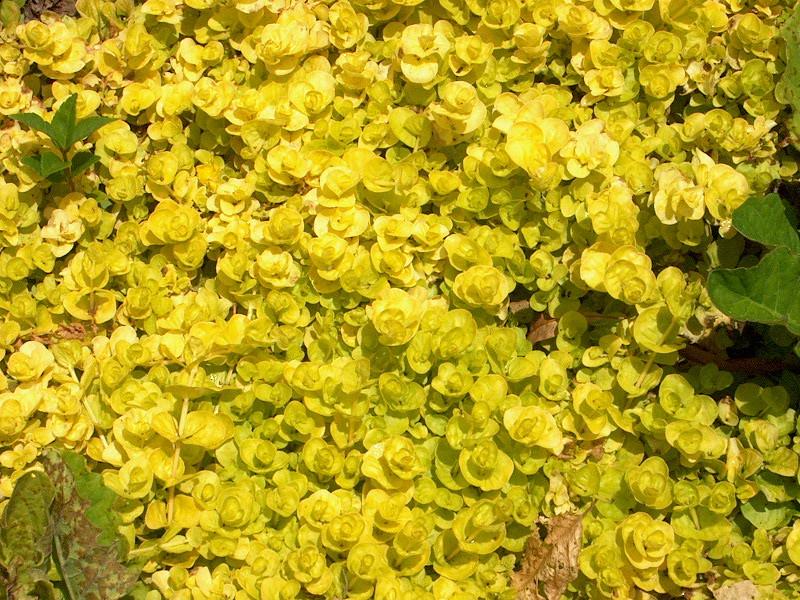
(278, 315)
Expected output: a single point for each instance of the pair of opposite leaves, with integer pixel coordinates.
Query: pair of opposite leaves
(63, 130)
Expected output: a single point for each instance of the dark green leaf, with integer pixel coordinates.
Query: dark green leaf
(57, 177)
(82, 161)
(26, 532)
(88, 548)
(51, 163)
(768, 220)
(33, 162)
(36, 123)
(766, 293)
(87, 127)
(45, 164)
(64, 122)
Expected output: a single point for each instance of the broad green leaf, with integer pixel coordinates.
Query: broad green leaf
(88, 549)
(766, 293)
(64, 122)
(35, 122)
(87, 127)
(51, 163)
(768, 220)
(26, 533)
(58, 176)
(791, 76)
(82, 161)
(45, 164)
(64, 129)
(33, 162)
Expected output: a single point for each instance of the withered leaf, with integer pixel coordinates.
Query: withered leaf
(518, 306)
(34, 9)
(88, 549)
(743, 590)
(544, 328)
(549, 566)
(26, 531)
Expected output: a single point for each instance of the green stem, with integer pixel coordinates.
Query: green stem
(652, 358)
(176, 456)
(71, 595)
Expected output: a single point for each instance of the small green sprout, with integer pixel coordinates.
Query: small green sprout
(64, 130)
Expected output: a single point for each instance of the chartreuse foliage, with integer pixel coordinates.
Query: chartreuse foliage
(766, 292)
(64, 515)
(262, 264)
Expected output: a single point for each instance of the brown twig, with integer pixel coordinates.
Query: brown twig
(752, 365)
(70, 331)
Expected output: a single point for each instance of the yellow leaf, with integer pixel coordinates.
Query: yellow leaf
(164, 424)
(91, 305)
(204, 428)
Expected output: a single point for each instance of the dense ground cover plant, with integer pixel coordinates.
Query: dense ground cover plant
(279, 315)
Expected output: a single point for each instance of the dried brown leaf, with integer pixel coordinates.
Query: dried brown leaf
(544, 328)
(34, 9)
(517, 306)
(598, 449)
(69, 331)
(549, 566)
(743, 590)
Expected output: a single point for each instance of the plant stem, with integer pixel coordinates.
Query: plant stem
(71, 595)
(652, 358)
(176, 457)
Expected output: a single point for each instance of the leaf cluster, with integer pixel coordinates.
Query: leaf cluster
(64, 131)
